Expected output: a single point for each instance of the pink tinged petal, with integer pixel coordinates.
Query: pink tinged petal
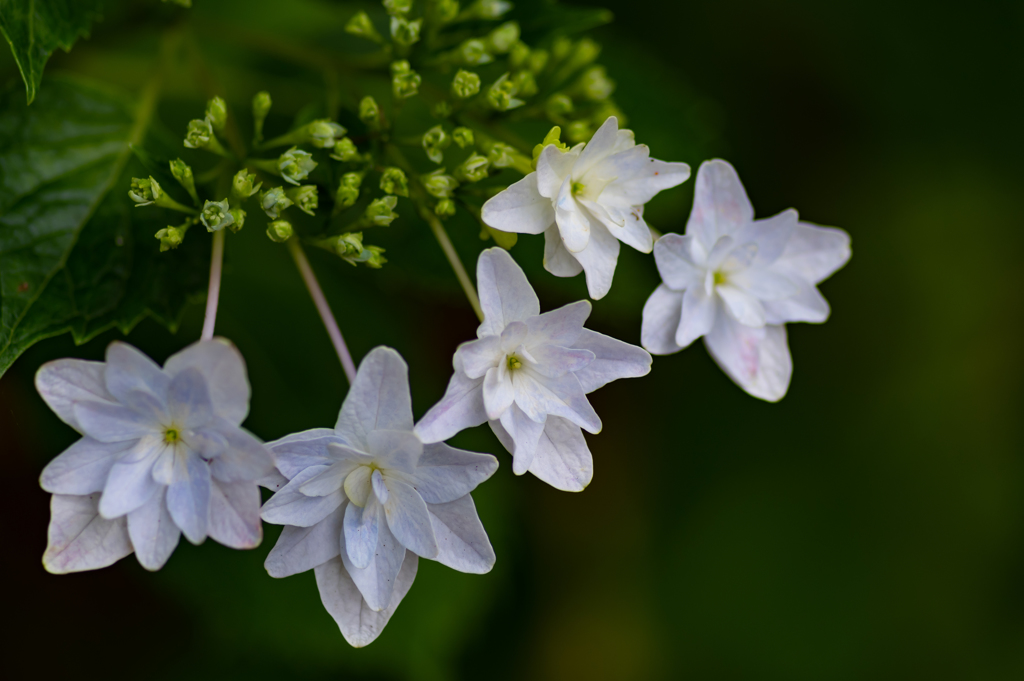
(525, 434)
(64, 382)
(361, 528)
(699, 310)
(771, 235)
(108, 422)
(360, 624)
(498, 392)
(559, 327)
(552, 168)
(764, 284)
(188, 496)
(758, 360)
(79, 538)
(153, 532)
(289, 506)
(677, 264)
(743, 307)
(638, 178)
(130, 483)
(813, 253)
(235, 514)
(505, 294)
(553, 361)
(83, 467)
(128, 371)
(408, 518)
(563, 459)
(625, 224)
(220, 362)
(598, 260)
(573, 225)
(376, 582)
(603, 143)
(557, 260)
(395, 449)
(662, 314)
(462, 542)
(613, 359)
(445, 473)
(461, 407)
(188, 400)
(379, 397)
(299, 549)
(520, 208)
(720, 204)
(480, 355)
(299, 451)
(808, 305)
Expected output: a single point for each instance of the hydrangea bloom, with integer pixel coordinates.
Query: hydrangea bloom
(528, 375)
(162, 454)
(737, 281)
(585, 200)
(367, 498)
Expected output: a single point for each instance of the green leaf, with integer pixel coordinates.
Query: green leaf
(75, 255)
(35, 28)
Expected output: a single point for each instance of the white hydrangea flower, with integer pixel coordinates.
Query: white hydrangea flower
(162, 454)
(528, 375)
(585, 200)
(367, 498)
(737, 281)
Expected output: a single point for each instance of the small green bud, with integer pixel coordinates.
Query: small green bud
(551, 138)
(487, 9)
(579, 131)
(393, 181)
(348, 190)
(561, 48)
(199, 134)
(182, 172)
(242, 185)
(380, 212)
(465, 84)
(473, 52)
(369, 113)
(361, 26)
(348, 245)
(273, 201)
(345, 151)
(503, 38)
(217, 215)
(445, 208)
(502, 94)
(171, 237)
(217, 113)
(463, 137)
(238, 219)
(295, 165)
(435, 141)
(405, 32)
(595, 84)
(525, 83)
(144, 191)
(323, 134)
(473, 169)
(501, 155)
(584, 52)
(604, 110)
(558, 105)
(372, 257)
(519, 55)
(260, 108)
(405, 82)
(441, 110)
(304, 197)
(280, 231)
(438, 184)
(398, 8)
(442, 11)
(537, 61)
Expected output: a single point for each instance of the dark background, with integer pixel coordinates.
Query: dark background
(871, 525)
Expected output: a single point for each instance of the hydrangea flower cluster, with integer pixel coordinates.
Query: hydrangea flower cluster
(163, 452)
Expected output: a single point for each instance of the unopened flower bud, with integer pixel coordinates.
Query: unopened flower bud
(405, 32)
(217, 215)
(501, 39)
(348, 190)
(369, 113)
(488, 9)
(345, 151)
(435, 141)
(393, 181)
(537, 61)
(473, 52)
(445, 208)
(237, 219)
(583, 53)
(260, 108)
(144, 191)
(372, 257)
(361, 26)
(182, 172)
(405, 82)
(473, 169)
(439, 184)
(579, 131)
(553, 137)
(280, 231)
(501, 155)
(519, 55)
(295, 165)
(398, 8)
(323, 134)
(170, 237)
(242, 186)
(525, 83)
(199, 134)
(502, 94)
(463, 137)
(561, 48)
(595, 84)
(441, 110)
(273, 201)
(217, 113)
(442, 11)
(304, 197)
(465, 84)
(558, 105)
(380, 212)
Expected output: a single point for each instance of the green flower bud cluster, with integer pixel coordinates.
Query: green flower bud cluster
(486, 9)
(369, 113)
(217, 113)
(242, 186)
(201, 131)
(472, 52)
(502, 94)
(465, 84)
(503, 38)
(551, 138)
(217, 215)
(503, 156)
(279, 231)
(473, 169)
(380, 212)
(445, 208)
(438, 184)
(260, 108)
(398, 8)
(295, 165)
(463, 137)
(435, 141)
(148, 192)
(305, 198)
(345, 151)
(595, 85)
(442, 11)
(405, 32)
(182, 172)
(171, 237)
(348, 190)
(274, 201)
(405, 82)
(361, 26)
(323, 134)
(393, 181)
(350, 248)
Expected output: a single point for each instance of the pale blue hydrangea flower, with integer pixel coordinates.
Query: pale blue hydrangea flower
(737, 281)
(585, 201)
(528, 376)
(162, 454)
(365, 500)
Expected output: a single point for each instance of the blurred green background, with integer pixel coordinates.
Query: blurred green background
(871, 525)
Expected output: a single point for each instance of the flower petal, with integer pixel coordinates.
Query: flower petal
(563, 396)
(553, 166)
(699, 310)
(79, 538)
(563, 459)
(64, 382)
(220, 362)
(613, 359)
(462, 542)
(327, 481)
(677, 264)
(765, 284)
(109, 422)
(812, 252)
(395, 449)
(408, 519)
(625, 224)
(598, 260)
(554, 361)
(377, 581)
(662, 313)
(361, 527)
(130, 483)
(235, 514)
(637, 177)
(358, 487)
(461, 407)
(505, 294)
(153, 532)
(128, 370)
(480, 355)
(83, 467)
(771, 235)
(559, 327)
(520, 208)
(498, 392)
(720, 204)
(557, 259)
(188, 400)
(573, 224)
(188, 495)
(445, 473)
(299, 451)
(379, 397)
(245, 459)
(289, 506)
(598, 148)
(525, 434)
(808, 305)
(744, 308)
(758, 360)
(303, 548)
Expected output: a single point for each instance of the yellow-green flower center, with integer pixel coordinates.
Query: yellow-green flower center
(577, 188)
(171, 435)
(720, 278)
(514, 362)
